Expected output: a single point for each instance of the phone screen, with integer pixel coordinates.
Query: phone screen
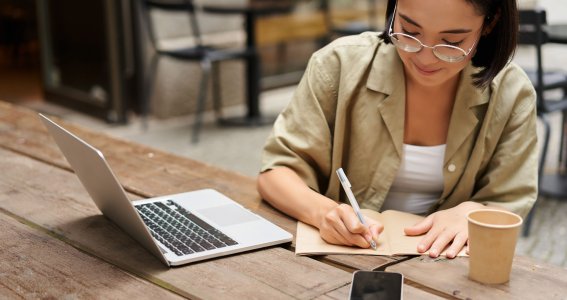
(376, 285)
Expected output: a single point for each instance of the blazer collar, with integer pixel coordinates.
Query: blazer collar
(387, 71)
(464, 117)
(386, 76)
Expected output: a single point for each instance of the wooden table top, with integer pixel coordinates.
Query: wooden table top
(56, 243)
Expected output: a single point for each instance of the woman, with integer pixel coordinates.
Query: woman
(429, 117)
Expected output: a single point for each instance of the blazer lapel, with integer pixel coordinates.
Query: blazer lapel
(463, 117)
(387, 77)
(464, 120)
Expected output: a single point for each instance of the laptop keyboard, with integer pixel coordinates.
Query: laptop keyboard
(179, 230)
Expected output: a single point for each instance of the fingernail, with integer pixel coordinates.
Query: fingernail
(421, 248)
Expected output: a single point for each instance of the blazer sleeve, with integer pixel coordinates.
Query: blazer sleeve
(301, 136)
(511, 177)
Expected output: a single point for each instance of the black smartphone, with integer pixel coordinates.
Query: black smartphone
(376, 285)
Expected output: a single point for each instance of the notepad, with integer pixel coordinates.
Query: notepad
(392, 241)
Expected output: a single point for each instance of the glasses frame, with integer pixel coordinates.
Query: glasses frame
(445, 58)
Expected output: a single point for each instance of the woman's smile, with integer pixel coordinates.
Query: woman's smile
(427, 71)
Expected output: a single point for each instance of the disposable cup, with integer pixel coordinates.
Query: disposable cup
(492, 242)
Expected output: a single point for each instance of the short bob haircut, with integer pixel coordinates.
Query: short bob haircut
(493, 50)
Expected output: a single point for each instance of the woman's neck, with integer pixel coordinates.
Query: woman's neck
(446, 90)
(428, 112)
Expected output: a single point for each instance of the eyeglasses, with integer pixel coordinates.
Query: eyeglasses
(408, 43)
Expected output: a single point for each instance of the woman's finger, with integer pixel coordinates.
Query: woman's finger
(352, 230)
(443, 239)
(338, 221)
(427, 241)
(376, 229)
(421, 227)
(457, 245)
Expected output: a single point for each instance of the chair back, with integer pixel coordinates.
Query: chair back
(532, 32)
(348, 29)
(183, 6)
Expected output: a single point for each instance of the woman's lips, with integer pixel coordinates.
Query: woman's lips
(426, 71)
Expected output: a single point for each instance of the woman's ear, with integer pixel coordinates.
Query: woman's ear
(490, 23)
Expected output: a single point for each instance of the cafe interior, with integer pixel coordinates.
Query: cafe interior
(206, 80)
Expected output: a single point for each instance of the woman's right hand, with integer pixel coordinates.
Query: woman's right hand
(340, 225)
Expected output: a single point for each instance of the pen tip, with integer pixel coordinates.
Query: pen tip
(373, 245)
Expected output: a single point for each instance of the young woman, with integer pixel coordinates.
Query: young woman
(429, 117)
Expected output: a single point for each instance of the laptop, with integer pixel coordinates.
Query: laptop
(178, 229)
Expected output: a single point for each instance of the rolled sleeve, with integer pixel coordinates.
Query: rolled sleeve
(301, 136)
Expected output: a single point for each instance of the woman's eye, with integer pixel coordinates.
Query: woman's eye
(453, 43)
(409, 33)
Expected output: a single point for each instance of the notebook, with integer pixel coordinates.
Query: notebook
(178, 229)
(392, 241)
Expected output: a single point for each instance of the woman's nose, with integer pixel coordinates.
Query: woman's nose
(426, 56)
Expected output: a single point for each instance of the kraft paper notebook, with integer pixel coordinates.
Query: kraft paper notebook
(392, 241)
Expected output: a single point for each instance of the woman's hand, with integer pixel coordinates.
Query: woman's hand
(444, 227)
(340, 225)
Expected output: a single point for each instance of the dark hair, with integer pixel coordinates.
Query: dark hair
(494, 50)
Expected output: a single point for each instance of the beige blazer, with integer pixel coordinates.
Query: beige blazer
(348, 111)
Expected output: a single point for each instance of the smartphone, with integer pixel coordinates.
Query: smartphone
(376, 285)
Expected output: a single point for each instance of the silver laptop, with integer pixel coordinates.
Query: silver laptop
(178, 229)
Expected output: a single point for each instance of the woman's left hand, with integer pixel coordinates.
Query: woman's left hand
(444, 227)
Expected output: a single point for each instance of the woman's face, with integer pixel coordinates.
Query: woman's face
(433, 22)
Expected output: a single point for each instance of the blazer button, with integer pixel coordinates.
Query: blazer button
(451, 168)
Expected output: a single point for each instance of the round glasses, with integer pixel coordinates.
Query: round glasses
(446, 53)
(408, 43)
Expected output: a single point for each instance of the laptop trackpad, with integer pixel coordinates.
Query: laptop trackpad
(227, 215)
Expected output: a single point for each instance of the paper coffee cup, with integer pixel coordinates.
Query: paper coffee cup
(492, 242)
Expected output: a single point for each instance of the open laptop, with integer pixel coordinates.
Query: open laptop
(178, 229)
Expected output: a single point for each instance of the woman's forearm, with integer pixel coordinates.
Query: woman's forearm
(286, 191)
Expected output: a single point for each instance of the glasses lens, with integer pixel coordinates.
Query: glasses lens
(405, 42)
(449, 53)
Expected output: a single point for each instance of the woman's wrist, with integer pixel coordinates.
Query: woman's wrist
(325, 205)
(466, 207)
(471, 205)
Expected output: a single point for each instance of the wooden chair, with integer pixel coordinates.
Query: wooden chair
(532, 32)
(207, 56)
(351, 27)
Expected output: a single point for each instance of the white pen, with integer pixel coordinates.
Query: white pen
(346, 186)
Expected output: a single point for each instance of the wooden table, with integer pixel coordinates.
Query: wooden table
(55, 243)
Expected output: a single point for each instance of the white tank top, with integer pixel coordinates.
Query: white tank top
(419, 182)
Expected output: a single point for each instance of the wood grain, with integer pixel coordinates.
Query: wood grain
(36, 265)
(290, 27)
(409, 293)
(529, 280)
(286, 28)
(144, 171)
(54, 199)
(361, 262)
(338, 294)
(149, 172)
